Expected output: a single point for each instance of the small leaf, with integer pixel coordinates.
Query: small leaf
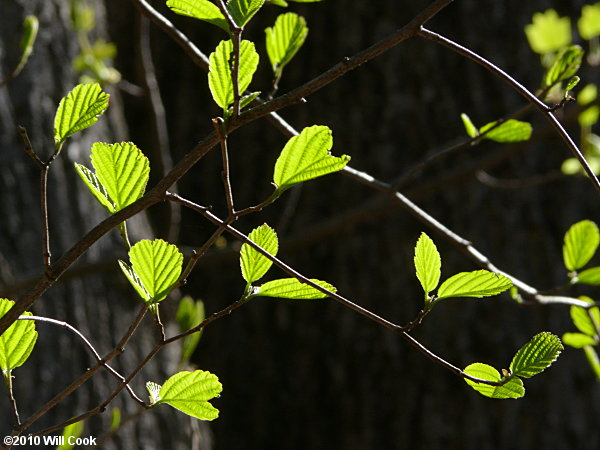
(589, 276)
(513, 388)
(292, 288)
(245, 100)
(135, 281)
(243, 10)
(584, 318)
(574, 81)
(565, 65)
(153, 392)
(427, 263)
(219, 74)
(189, 392)
(254, 265)
(578, 340)
(123, 170)
(509, 131)
(593, 361)
(479, 283)
(548, 32)
(79, 110)
(535, 356)
(588, 94)
(589, 22)
(70, 435)
(199, 9)
(471, 129)
(307, 156)
(189, 314)
(96, 188)
(17, 342)
(284, 39)
(580, 243)
(281, 3)
(589, 117)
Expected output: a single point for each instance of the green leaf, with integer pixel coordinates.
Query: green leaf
(471, 129)
(307, 156)
(245, 100)
(565, 65)
(548, 32)
(427, 263)
(589, 276)
(535, 356)
(580, 244)
(479, 283)
(94, 185)
(78, 110)
(199, 9)
(589, 117)
(189, 314)
(281, 3)
(284, 39)
(578, 340)
(219, 72)
(189, 392)
(292, 288)
(254, 265)
(242, 11)
(509, 131)
(123, 170)
(588, 94)
(17, 342)
(592, 358)
(153, 392)
(574, 81)
(70, 435)
(135, 281)
(513, 388)
(584, 318)
(589, 22)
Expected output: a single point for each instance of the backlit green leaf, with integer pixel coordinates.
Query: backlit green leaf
(589, 22)
(153, 391)
(199, 9)
(281, 3)
(70, 435)
(427, 263)
(548, 32)
(479, 283)
(584, 318)
(470, 128)
(254, 265)
(574, 81)
(94, 185)
(513, 388)
(589, 276)
(189, 392)
(565, 65)
(593, 361)
(589, 116)
(509, 131)
(219, 75)
(578, 340)
(189, 314)
(135, 281)
(242, 11)
(17, 342)
(284, 39)
(588, 94)
(580, 244)
(535, 356)
(307, 156)
(79, 110)
(292, 288)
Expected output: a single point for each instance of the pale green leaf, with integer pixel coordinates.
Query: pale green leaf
(153, 392)
(242, 11)
(245, 100)
(509, 131)
(578, 340)
(588, 94)
(70, 435)
(548, 32)
(589, 116)
(592, 358)
(79, 110)
(427, 263)
(135, 281)
(158, 265)
(284, 39)
(584, 318)
(479, 283)
(123, 170)
(219, 74)
(17, 342)
(253, 264)
(574, 81)
(93, 183)
(189, 314)
(589, 22)
(189, 392)
(537, 355)
(199, 9)
(513, 388)
(470, 128)
(281, 3)
(565, 65)
(307, 156)
(580, 243)
(292, 288)
(589, 276)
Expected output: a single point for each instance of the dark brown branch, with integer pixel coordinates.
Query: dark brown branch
(218, 125)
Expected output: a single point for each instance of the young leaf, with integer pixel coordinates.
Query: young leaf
(123, 170)
(584, 318)
(96, 188)
(219, 73)
(471, 129)
(292, 288)
(243, 10)
(574, 81)
(189, 314)
(245, 100)
(479, 283)
(70, 435)
(17, 342)
(565, 65)
(281, 3)
(509, 131)
(254, 265)
(284, 39)
(548, 32)
(589, 117)
(589, 22)
(189, 392)
(588, 94)
(578, 340)
(580, 244)
(153, 391)
(199, 9)
(513, 388)
(135, 281)
(307, 156)
(79, 110)
(427, 263)
(592, 358)
(535, 356)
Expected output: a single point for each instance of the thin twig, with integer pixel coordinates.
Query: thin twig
(218, 125)
(11, 395)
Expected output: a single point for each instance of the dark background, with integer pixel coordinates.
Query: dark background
(313, 374)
